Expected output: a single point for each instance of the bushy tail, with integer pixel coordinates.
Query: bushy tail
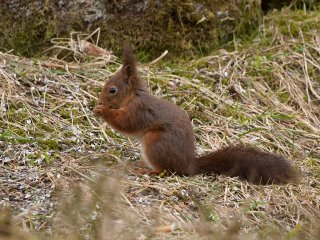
(248, 163)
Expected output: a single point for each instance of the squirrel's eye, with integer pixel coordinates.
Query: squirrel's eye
(113, 90)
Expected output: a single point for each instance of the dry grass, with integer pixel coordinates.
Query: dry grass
(63, 173)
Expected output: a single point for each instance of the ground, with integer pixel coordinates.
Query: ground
(64, 173)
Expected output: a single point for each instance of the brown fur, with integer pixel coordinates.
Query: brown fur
(167, 136)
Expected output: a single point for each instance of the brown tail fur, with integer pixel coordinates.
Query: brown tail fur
(248, 163)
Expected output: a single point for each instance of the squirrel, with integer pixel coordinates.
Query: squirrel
(167, 136)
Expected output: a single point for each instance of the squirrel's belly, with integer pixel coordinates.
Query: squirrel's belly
(135, 135)
(145, 158)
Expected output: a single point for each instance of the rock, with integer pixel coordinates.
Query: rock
(183, 27)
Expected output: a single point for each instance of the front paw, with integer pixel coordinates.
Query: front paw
(99, 110)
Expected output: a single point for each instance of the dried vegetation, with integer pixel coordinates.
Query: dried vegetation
(64, 174)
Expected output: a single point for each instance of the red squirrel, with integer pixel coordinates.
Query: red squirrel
(167, 137)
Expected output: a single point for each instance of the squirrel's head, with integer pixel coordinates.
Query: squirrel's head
(123, 85)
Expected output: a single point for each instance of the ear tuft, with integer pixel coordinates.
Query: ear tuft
(129, 70)
(129, 61)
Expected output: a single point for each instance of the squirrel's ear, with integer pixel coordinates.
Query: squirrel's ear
(129, 61)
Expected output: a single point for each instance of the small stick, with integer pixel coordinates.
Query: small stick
(159, 58)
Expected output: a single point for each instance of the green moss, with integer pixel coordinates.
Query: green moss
(40, 155)
(47, 144)
(25, 37)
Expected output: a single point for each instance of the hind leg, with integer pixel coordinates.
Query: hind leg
(142, 168)
(162, 152)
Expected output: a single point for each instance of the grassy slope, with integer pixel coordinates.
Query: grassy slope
(61, 173)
